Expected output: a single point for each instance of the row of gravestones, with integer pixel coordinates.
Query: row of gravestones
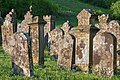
(89, 46)
(25, 42)
(72, 45)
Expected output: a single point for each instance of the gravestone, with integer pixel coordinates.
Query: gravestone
(21, 54)
(7, 32)
(82, 34)
(104, 53)
(54, 36)
(114, 28)
(49, 26)
(34, 39)
(37, 38)
(24, 27)
(66, 46)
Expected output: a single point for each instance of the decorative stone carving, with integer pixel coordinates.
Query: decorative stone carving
(83, 39)
(21, 54)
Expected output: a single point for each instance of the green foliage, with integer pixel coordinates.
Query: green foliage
(43, 7)
(100, 3)
(115, 9)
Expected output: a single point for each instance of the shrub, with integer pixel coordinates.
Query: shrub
(115, 9)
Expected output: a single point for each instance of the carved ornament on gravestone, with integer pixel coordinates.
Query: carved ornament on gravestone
(24, 27)
(82, 39)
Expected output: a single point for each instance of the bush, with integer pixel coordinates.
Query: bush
(40, 7)
(100, 3)
(115, 9)
(43, 7)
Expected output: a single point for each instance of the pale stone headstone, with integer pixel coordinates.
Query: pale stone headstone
(82, 34)
(114, 28)
(34, 39)
(49, 26)
(7, 32)
(54, 36)
(66, 46)
(21, 54)
(104, 53)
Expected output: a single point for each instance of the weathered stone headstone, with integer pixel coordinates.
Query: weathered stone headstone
(37, 39)
(24, 24)
(7, 32)
(104, 53)
(114, 28)
(49, 26)
(34, 39)
(66, 46)
(54, 36)
(21, 54)
(83, 39)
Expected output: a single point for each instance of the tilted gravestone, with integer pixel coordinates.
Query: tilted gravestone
(24, 27)
(21, 54)
(66, 46)
(104, 54)
(54, 36)
(83, 39)
(7, 32)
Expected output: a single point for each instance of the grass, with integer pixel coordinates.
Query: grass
(50, 72)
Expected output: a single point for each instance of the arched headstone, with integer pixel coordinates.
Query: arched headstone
(7, 32)
(54, 37)
(104, 53)
(21, 54)
(65, 54)
(66, 46)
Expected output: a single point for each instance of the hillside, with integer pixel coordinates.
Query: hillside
(68, 10)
